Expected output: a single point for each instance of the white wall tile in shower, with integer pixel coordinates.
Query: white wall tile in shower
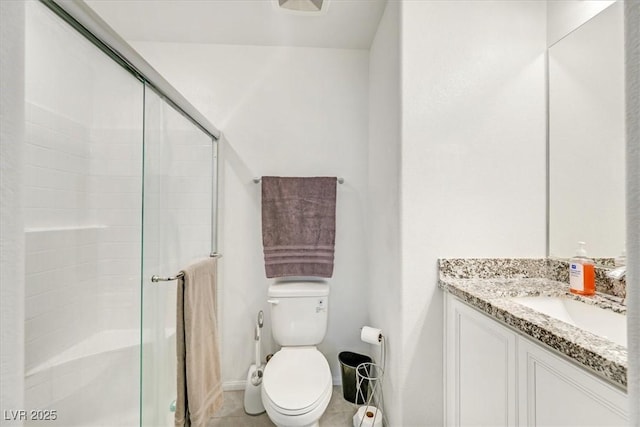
(61, 267)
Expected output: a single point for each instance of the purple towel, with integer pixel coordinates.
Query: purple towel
(298, 226)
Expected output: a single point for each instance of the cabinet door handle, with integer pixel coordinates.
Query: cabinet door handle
(273, 301)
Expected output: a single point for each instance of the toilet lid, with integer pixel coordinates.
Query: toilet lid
(296, 378)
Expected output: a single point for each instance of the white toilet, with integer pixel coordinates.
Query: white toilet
(297, 384)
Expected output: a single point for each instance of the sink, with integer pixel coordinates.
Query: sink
(597, 320)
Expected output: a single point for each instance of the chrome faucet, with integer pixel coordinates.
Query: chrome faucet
(619, 273)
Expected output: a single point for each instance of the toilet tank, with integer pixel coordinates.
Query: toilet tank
(299, 312)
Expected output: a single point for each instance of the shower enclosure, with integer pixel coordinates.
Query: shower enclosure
(119, 185)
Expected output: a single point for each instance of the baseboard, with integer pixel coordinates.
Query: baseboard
(234, 385)
(337, 380)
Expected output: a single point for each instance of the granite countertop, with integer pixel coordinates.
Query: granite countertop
(488, 286)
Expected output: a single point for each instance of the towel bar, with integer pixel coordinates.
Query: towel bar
(256, 180)
(156, 279)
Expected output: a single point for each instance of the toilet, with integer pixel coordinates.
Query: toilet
(297, 383)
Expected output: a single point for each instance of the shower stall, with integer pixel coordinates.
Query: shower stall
(120, 185)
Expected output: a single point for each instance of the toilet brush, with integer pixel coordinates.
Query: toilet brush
(252, 391)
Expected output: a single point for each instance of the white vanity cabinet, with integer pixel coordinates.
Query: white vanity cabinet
(480, 366)
(556, 392)
(497, 377)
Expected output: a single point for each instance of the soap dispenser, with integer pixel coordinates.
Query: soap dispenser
(582, 278)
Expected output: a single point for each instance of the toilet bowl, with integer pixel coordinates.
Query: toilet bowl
(296, 387)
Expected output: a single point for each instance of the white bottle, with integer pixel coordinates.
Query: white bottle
(582, 279)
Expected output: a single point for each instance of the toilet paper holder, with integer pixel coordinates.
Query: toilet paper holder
(369, 382)
(369, 390)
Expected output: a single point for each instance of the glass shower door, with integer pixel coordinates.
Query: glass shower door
(83, 229)
(176, 231)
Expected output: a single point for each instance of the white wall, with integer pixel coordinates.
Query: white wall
(283, 111)
(473, 161)
(12, 281)
(383, 237)
(567, 15)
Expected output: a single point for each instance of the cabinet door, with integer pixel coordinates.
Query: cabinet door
(480, 357)
(555, 392)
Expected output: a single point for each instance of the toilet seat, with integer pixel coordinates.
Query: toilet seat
(300, 412)
(296, 380)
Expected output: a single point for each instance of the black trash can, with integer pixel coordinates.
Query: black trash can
(348, 363)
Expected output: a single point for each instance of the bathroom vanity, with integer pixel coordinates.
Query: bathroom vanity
(519, 351)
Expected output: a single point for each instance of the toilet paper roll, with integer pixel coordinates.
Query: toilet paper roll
(368, 416)
(371, 335)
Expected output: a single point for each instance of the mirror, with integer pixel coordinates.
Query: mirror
(587, 138)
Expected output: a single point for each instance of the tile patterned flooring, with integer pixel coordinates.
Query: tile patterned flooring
(339, 413)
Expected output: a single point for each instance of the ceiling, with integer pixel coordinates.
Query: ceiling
(347, 24)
